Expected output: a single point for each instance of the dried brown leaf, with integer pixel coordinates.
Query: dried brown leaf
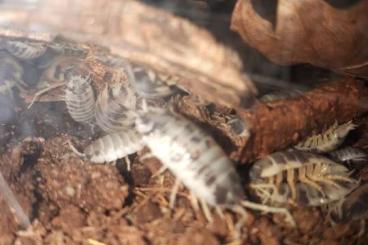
(318, 32)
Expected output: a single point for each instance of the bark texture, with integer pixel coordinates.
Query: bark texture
(276, 125)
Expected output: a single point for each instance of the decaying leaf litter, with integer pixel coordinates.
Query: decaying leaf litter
(192, 226)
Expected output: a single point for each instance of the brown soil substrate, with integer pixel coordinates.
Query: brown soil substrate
(71, 201)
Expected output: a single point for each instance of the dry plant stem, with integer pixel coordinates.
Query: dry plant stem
(279, 124)
(10, 199)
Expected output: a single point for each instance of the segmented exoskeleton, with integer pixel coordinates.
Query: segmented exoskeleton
(68, 49)
(351, 156)
(11, 73)
(195, 159)
(114, 146)
(150, 84)
(79, 96)
(301, 178)
(116, 107)
(24, 49)
(328, 140)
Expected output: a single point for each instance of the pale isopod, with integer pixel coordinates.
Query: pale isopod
(116, 107)
(327, 141)
(196, 160)
(114, 146)
(79, 97)
(300, 178)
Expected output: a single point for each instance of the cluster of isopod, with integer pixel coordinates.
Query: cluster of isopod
(131, 112)
(126, 110)
(318, 171)
(17, 54)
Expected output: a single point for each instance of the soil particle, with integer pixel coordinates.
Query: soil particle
(198, 236)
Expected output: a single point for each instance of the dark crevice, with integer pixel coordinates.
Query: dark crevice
(127, 175)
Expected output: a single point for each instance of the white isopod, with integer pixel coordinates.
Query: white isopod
(79, 97)
(195, 159)
(25, 50)
(114, 146)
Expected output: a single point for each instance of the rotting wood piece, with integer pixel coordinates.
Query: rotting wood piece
(276, 125)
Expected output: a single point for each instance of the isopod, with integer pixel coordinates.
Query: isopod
(116, 107)
(79, 97)
(351, 156)
(150, 84)
(196, 160)
(25, 50)
(68, 49)
(327, 141)
(113, 146)
(11, 73)
(300, 178)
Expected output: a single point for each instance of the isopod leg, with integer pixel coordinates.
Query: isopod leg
(269, 209)
(75, 150)
(262, 192)
(145, 156)
(338, 177)
(291, 182)
(128, 163)
(194, 202)
(206, 210)
(174, 192)
(304, 179)
(239, 224)
(159, 172)
(219, 212)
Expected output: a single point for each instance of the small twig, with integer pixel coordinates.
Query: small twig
(43, 91)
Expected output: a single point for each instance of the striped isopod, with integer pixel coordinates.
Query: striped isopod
(327, 141)
(116, 107)
(11, 73)
(196, 160)
(25, 49)
(354, 157)
(300, 178)
(68, 48)
(114, 146)
(79, 96)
